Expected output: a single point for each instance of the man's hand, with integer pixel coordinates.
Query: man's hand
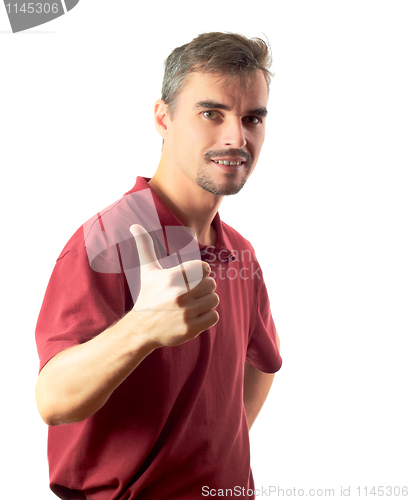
(177, 304)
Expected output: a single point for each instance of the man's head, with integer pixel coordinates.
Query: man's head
(228, 54)
(212, 112)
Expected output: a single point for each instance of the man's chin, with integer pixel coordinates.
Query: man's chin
(220, 189)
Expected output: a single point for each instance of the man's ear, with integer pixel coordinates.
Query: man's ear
(161, 116)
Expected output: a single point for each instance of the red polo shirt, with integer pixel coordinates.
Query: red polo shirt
(176, 427)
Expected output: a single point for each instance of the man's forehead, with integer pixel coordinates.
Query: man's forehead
(215, 87)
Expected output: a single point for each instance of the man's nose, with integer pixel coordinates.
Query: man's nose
(233, 133)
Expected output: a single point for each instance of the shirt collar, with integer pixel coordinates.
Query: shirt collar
(223, 247)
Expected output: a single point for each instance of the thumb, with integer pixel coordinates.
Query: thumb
(146, 250)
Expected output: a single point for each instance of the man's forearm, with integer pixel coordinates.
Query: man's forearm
(77, 382)
(255, 391)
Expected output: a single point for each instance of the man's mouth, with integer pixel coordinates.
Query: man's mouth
(229, 162)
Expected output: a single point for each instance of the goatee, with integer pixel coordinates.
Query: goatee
(205, 181)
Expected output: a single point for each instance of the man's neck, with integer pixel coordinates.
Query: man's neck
(192, 205)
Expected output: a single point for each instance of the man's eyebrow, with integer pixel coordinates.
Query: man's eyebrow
(216, 105)
(259, 112)
(212, 105)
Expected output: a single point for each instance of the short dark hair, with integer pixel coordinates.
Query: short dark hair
(228, 54)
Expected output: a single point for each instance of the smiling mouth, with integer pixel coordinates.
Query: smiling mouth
(227, 162)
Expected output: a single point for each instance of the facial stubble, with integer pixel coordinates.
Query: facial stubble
(205, 180)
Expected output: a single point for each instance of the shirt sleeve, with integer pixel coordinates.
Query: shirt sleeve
(79, 302)
(263, 351)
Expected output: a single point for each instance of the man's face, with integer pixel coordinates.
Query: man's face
(217, 130)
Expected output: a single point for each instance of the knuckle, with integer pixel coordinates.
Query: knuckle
(214, 317)
(211, 282)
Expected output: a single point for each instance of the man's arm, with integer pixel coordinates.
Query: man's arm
(256, 388)
(78, 381)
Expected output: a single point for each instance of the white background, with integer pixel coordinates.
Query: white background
(326, 209)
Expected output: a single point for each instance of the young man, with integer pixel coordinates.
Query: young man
(156, 341)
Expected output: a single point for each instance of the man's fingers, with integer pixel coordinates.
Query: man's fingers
(207, 285)
(198, 269)
(146, 250)
(194, 271)
(206, 268)
(206, 320)
(206, 303)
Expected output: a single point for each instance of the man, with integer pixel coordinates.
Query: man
(156, 342)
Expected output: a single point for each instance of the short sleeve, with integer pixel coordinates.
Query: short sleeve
(79, 302)
(263, 352)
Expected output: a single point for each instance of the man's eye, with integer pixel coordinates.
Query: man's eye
(211, 114)
(253, 120)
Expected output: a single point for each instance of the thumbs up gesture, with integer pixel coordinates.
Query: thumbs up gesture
(175, 304)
